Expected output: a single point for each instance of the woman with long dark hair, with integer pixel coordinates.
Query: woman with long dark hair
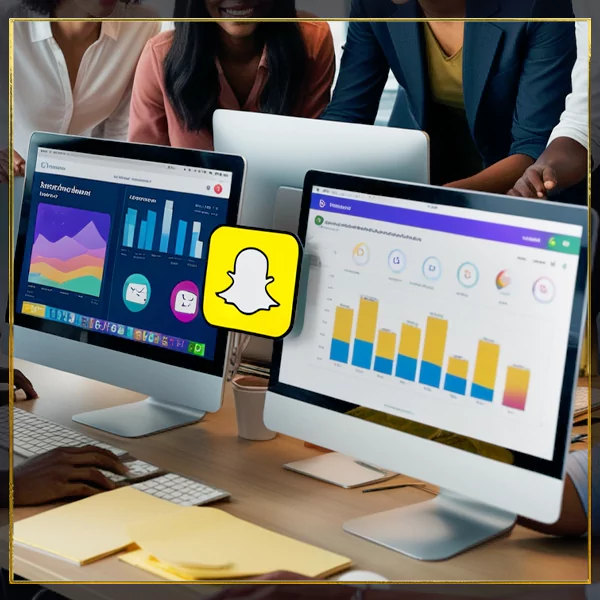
(284, 68)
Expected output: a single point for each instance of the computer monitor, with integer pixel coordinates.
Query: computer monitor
(280, 151)
(109, 273)
(441, 340)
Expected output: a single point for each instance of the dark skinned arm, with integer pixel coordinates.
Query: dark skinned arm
(563, 164)
(498, 178)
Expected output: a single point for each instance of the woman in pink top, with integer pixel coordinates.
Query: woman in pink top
(184, 75)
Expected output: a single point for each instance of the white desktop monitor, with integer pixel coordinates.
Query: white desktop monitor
(279, 151)
(441, 340)
(109, 273)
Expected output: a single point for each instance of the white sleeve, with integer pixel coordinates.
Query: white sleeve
(574, 122)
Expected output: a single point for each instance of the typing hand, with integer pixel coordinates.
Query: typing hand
(536, 182)
(21, 382)
(64, 473)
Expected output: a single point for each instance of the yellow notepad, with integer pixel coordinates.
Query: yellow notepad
(90, 529)
(209, 544)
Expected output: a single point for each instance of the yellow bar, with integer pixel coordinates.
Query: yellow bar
(367, 320)
(435, 341)
(486, 366)
(517, 386)
(342, 327)
(458, 367)
(410, 341)
(386, 344)
(35, 310)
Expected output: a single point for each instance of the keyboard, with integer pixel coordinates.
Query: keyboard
(181, 490)
(34, 435)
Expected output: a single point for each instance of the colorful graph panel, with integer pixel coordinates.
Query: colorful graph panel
(69, 249)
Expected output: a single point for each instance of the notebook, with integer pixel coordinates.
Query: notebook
(90, 529)
(201, 543)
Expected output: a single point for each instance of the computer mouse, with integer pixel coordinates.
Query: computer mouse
(361, 577)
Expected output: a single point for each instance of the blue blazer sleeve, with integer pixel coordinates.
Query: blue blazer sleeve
(363, 74)
(545, 83)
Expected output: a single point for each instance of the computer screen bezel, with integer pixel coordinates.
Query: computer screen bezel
(492, 203)
(144, 152)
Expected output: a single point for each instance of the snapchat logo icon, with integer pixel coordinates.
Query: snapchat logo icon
(252, 281)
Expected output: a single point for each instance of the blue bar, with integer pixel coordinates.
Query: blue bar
(166, 226)
(150, 227)
(482, 393)
(126, 229)
(362, 355)
(181, 231)
(164, 242)
(132, 214)
(406, 367)
(340, 351)
(142, 238)
(383, 365)
(455, 385)
(195, 238)
(430, 374)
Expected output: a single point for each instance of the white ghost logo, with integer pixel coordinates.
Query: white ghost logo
(248, 290)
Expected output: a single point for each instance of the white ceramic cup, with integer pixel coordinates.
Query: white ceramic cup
(249, 394)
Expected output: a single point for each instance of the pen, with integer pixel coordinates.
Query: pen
(578, 438)
(393, 487)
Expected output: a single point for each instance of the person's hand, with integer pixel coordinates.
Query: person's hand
(64, 473)
(285, 592)
(21, 382)
(536, 182)
(18, 164)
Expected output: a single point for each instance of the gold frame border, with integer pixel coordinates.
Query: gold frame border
(11, 234)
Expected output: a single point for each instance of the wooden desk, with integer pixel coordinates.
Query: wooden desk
(269, 496)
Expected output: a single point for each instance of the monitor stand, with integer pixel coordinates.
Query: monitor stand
(436, 529)
(140, 419)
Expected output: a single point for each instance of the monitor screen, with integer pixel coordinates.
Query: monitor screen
(117, 247)
(449, 317)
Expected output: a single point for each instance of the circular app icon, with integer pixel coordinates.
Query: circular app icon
(503, 280)
(361, 255)
(397, 261)
(319, 221)
(468, 275)
(136, 292)
(185, 301)
(544, 290)
(432, 268)
(322, 203)
(218, 188)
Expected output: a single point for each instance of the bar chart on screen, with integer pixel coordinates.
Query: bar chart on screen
(434, 352)
(158, 231)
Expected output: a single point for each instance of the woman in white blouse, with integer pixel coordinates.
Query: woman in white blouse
(74, 77)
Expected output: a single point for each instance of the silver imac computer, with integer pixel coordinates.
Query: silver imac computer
(441, 340)
(280, 151)
(109, 273)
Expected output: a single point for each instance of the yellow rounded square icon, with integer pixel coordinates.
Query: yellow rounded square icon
(251, 281)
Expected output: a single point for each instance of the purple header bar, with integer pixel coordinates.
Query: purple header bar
(433, 222)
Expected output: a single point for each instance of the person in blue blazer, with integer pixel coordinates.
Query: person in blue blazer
(488, 93)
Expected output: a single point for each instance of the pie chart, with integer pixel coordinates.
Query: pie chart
(503, 280)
